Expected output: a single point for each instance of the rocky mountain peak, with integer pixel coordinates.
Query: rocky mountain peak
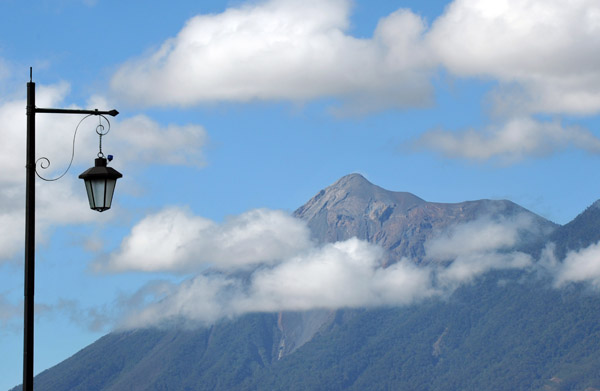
(400, 222)
(353, 196)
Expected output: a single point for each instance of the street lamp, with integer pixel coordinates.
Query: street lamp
(100, 182)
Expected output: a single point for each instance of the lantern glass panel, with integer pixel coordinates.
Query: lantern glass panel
(90, 193)
(110, 190)
(98, 192)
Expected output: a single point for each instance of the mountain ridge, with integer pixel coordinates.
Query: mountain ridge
(400, 222)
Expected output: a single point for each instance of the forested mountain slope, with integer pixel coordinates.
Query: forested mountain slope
(507, 329)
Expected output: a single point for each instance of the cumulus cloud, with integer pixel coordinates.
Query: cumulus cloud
(345, 274)
(542, 54)
(466, 268)
(135, 139)
(140, 139)
(301, 50)
(476, 247)
(283, 49)
(510, 142)
(483, 235)
(176, 240)
(342, 274)
(580, 266)
(548, 48)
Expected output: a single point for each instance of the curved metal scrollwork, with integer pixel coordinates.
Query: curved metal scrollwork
(101, 130)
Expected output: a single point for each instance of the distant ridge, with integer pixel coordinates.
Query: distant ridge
(578, 233)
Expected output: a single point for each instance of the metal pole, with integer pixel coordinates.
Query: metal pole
(29, 241)
(28, 321)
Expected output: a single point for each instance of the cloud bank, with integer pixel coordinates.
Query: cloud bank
(546, 49)
(580, 266)
(175, 240)
(283, 50)
(301, 50)
(542, 55)
(263, 261)
(509, 142)
(337, 275)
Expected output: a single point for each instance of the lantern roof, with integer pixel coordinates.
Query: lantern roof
(100, 171)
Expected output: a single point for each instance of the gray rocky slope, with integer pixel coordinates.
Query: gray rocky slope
(400, 222)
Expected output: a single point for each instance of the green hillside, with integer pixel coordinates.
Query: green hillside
(491, 336)
(502, 333)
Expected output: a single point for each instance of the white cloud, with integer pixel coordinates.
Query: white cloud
(141, 140)
(580, 266)
(12, 116)
(201, 300)
(283, 49)
(12, 224)
(467, 267)
(343, 274)
(483, 235)
(514, 140)
(335, 275)
(477, 247)
(542, 53)
(549, 48)
(268, 263)
(300, 50)
(176, 240)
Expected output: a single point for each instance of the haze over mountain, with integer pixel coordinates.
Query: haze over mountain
(473, 295)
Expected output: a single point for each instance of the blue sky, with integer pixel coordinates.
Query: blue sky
(235, 113)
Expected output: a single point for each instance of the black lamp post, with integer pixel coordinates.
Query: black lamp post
(100, 184)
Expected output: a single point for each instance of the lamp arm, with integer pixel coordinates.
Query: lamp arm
(45, 162)
(112, 113)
